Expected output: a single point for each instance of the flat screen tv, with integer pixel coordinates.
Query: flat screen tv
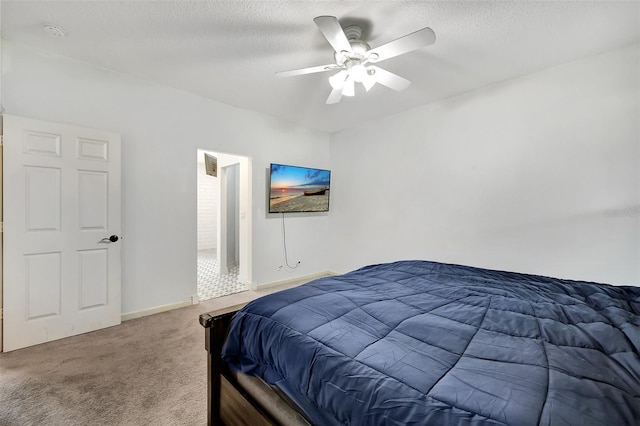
(294, 189)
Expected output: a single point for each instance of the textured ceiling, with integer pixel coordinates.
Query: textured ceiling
(230, 50)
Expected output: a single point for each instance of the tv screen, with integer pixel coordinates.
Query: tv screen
(295, 189)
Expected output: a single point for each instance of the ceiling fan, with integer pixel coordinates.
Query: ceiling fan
(354, 58)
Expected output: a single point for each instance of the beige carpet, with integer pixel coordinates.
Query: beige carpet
(147, 371)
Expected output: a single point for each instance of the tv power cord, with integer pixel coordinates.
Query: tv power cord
(284, 245)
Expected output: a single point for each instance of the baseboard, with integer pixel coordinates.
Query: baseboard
(164, 308)
(194, 299)
(302, 279)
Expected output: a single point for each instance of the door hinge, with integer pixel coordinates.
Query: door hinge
(1, 140)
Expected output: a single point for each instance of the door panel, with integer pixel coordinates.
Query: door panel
(62, 199)
(94, 288)
(42, 198)
(93, 199)
(43, 276)
(39, 143)
(90, 149)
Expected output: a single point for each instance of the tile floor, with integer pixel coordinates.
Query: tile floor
(210, 283)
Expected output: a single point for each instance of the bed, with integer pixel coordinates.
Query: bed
(419, 342)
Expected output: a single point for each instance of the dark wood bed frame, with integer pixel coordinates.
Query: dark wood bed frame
(216, 327)
(227, 402)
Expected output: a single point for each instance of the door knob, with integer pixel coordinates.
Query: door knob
(111, 239)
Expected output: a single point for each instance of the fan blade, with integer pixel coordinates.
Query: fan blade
(369, 82)
(413, 41)
(335, 96)
(349, 86)
(337, 80)
(390, 79)
(310, 70)
(333, 32)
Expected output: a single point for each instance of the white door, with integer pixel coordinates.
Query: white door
(61, 274)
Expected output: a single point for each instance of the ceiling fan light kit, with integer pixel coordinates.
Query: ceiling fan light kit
(354, 58)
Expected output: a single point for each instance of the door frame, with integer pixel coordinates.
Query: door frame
(1, 237)
(245, 222)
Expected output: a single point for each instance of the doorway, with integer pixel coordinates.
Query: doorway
(223, 224)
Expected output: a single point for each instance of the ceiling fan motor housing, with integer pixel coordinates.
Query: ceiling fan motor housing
(353, 32)
(359, 48)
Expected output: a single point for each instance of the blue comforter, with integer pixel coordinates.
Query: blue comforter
(425, 343)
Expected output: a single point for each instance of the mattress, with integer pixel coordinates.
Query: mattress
(419, 342)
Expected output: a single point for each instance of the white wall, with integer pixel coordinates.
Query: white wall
(161, 130)
(538, 174)
(207, 207)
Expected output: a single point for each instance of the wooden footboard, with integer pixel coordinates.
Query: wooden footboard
(227, 403)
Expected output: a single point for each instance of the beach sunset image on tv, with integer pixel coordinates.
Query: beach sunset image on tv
(298, 189)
